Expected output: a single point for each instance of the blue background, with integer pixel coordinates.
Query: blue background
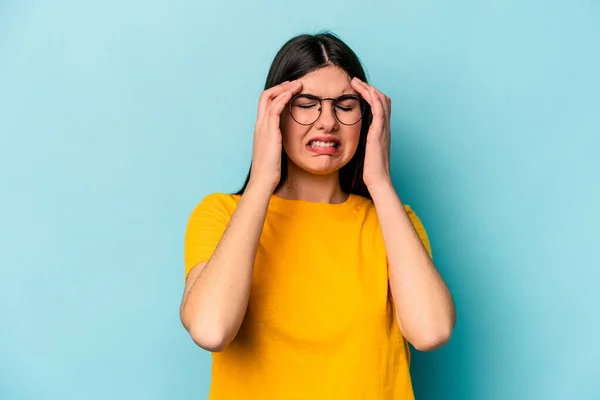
(116, 118)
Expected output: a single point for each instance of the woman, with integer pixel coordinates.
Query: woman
(309, 282)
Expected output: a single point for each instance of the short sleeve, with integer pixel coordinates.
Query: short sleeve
(419, 228)
(204, 230)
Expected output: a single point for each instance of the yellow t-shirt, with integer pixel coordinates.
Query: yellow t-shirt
(320, 321)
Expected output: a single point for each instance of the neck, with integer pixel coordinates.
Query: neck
(302, 185)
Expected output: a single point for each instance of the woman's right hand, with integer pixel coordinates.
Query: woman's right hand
(266, 154)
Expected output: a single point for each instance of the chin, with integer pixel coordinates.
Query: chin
(320, 167)
(322, 171)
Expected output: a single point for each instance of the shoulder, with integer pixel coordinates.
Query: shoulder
(221, 198)
(223, 203)
(370, 213)
(369, 207)
(410, 212)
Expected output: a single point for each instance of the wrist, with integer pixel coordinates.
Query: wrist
(260, 188)
(381, 185)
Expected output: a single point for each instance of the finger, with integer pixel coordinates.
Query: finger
(269, 95)
(379, 107)
(385, 101)
(379, 116)
(363, 90)
(370, 94)
(279, 103)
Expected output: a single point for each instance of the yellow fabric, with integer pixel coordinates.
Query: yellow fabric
(320, 322)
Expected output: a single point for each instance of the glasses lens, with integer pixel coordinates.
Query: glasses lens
(305, 109)
(349, 110)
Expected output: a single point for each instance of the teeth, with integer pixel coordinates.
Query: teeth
(317, 143)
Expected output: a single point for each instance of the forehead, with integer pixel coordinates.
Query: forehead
(330, 81)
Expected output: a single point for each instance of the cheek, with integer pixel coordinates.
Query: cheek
(352, 139)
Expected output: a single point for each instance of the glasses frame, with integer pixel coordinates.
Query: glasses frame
(363, 106)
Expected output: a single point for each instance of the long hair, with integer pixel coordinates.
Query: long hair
(306, 53)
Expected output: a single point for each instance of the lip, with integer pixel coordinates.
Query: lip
(325, 150)
(325, 139)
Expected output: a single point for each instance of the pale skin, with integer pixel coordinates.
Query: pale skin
(217, 291)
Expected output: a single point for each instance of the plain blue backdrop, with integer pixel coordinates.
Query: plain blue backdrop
(116, 118)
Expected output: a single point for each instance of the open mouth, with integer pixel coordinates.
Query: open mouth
(323, 144)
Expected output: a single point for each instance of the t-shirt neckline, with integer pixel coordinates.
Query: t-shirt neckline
(281, 202)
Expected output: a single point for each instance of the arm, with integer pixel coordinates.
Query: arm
(424, 307)
(217, 291)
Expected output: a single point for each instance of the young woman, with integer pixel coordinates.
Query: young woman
(309, 282)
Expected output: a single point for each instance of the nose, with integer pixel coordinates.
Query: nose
(327, 120)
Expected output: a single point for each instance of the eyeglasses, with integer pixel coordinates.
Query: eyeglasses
(305, 109)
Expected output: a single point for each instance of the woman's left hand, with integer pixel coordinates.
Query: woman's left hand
(377, 155)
